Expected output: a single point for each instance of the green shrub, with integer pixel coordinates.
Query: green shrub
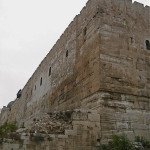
(145, 143)
(121, 143)
(7, 128)
(118, 143)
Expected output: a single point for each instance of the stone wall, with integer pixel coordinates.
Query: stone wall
(83, 136)
(120, 114)
(4, 115)
(72, 78)
(107, 69)
(124, 70)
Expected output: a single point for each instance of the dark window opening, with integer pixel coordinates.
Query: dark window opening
(41, 82)
(67, 53)
(85, 31)
(35, 87)
(147, 45)
(131, 38)
(50, 71)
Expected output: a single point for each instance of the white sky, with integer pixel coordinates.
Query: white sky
(28, 30)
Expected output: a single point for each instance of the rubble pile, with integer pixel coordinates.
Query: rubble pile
(52, 123)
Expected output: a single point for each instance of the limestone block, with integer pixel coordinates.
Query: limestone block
(122, 126)
(79, 116)
(24, 137)
(130, 135)
(70, 132)
(137, 126)
(62, 136)
(108, 126)
(61, 143)
(94, 117)
(79, 123)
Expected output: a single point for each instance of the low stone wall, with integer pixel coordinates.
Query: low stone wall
(85, 135)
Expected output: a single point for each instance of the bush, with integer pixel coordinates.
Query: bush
(118, 143)
(7, 128)
(145, 143)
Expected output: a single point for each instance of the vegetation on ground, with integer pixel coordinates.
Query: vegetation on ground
(118, 143)
(145, 143)
(6, 129)
(123, 143)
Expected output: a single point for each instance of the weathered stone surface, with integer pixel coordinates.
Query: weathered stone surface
(75, 137)
(52, 123)
(107, 70)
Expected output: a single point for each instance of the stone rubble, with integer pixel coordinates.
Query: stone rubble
(52, 123)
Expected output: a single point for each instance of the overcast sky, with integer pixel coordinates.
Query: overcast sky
(28, 30)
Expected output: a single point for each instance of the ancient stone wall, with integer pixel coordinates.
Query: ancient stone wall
(124, 70)
(107, 69)
(4, 115)
(72, 77)
(83, 136)
(123, 101)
